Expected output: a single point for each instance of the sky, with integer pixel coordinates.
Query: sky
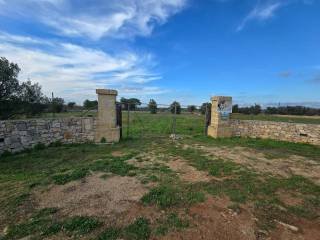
(257, 51)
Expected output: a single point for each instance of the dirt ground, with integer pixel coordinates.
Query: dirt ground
(187, 172)
(117, 199)
(93, 196)
(258, 161)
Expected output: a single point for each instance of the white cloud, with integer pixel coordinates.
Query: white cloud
(266, 9)
(262, 11)
(96, 19)
(73, 71)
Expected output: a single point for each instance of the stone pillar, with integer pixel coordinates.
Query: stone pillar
(220, 117)
(107, 122)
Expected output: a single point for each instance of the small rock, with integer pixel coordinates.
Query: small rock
(5, 230)
(288, 226)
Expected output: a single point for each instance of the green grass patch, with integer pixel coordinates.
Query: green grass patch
(272, 148)
(110, 234)
(277, 118)
(64, 178)
(115, 165)
(43, 224)
(171, 223)
(215, 167)
(80, 225)
(172, 195)
(139, 230)
(37, 225)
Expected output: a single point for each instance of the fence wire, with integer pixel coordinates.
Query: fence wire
(169, 120)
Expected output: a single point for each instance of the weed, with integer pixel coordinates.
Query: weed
(139, 230)
(70, 176)
(81, 225)
(172, 222)
(39, 223)
(110, 234)
(103, 140)
(168, 196)
(116, 165)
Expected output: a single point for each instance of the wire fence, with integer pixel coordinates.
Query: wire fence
(168, 120)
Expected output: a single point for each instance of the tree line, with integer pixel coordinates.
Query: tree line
(281, 110)
(22, 98)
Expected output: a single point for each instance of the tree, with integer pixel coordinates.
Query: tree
(90, 104)
(256, 109)
(235, 108)
(191, 108)
(175, 107)
(130, 103)
(57, 105)
(9, 84)
(205, 107)
(71, 105)
(32, 100)
(153, 107)
(15, 98)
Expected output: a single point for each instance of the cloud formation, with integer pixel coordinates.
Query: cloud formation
(94, 20)
(266, 9)
(263, 10)
(74, 71)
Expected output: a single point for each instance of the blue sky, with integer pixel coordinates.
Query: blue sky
(258, 51)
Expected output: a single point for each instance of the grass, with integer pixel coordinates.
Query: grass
(272, 148)
(24, 173)
(64, 178)
(245, 185)
(278, 118)
(169, 195)
(43, 224)
(80, 225)
(143, 124)
(171, 223)
(138, 230)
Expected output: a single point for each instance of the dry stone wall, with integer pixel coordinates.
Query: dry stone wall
(292, 132)
(18, 135)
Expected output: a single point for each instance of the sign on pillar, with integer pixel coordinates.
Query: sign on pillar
(220, 117)
(107, 129)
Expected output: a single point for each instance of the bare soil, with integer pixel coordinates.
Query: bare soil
(213, 220)
(93, 196)
(187, 172)
(285, 167)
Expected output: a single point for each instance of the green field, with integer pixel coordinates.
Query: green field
(162, 124)
(278, 118)
(151, 187)
(166, 117)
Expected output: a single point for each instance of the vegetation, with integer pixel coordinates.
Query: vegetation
(153, 107)
(23, 174)
(192, 108)
(281, 110)
(255, 110)
(22, 98)
(277, 118)
(87, 104)
(205, 108)
(172, 222)
(169, 195)
(175, 108)
(130, 103)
